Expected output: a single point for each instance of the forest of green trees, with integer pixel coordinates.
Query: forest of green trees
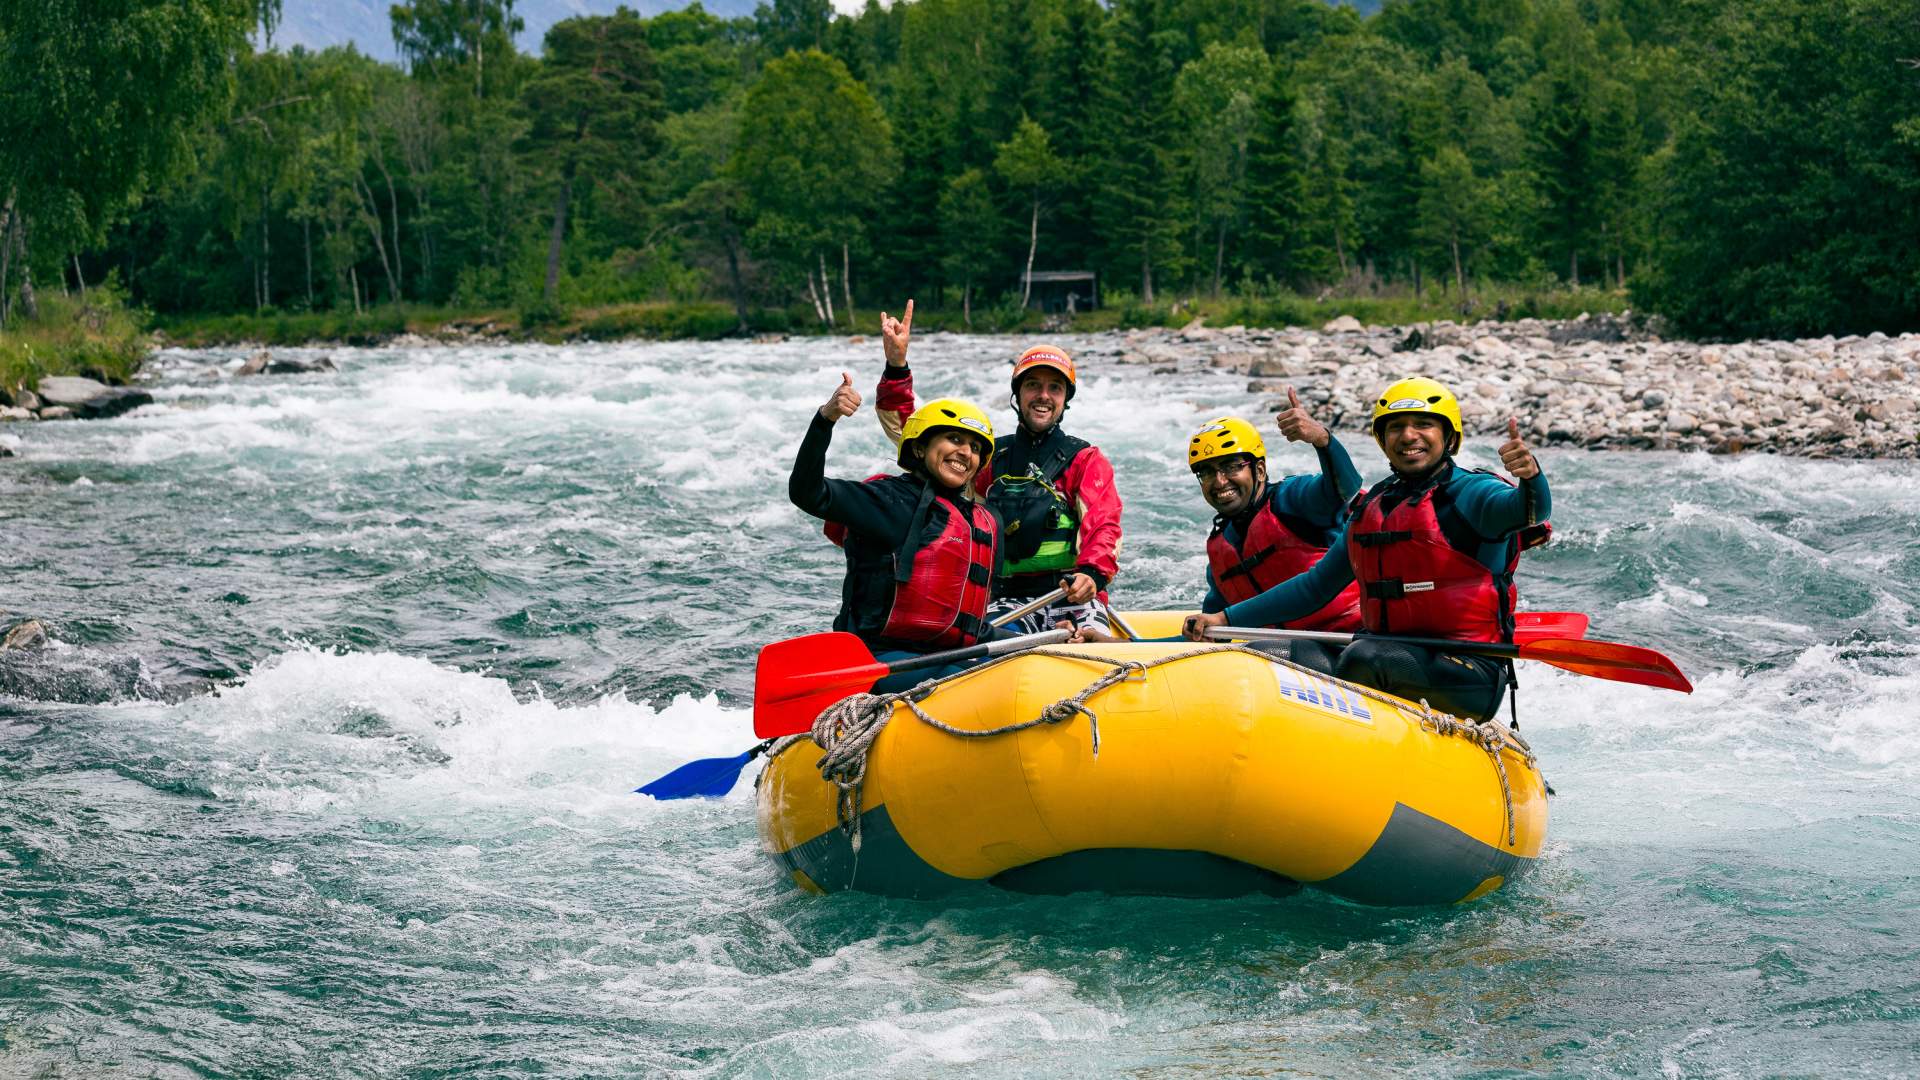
(1743, 167)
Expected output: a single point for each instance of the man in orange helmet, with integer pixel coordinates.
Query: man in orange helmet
(1054, 493)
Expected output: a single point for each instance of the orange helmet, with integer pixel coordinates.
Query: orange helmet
(1045, 356)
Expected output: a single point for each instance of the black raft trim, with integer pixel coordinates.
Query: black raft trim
(1419, 859)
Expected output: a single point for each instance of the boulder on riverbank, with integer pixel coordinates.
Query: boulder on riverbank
(1600, 381)
(87, 399)
(265, 363)
(24, 635)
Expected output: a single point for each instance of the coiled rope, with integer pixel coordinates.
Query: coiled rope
(846, 730)
(1493, 737)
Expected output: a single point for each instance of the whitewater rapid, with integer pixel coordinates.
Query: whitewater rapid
(329, 770)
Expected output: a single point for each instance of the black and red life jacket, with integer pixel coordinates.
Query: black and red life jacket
(1277, 547)
(1042, 527)
(1424, 572)
(931, 593)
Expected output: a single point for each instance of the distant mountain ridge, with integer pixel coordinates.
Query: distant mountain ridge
(368, 24)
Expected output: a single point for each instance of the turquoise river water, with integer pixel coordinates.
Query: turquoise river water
(328, 771)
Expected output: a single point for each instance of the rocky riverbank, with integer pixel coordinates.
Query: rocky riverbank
(1605, 382)
(1602, 382)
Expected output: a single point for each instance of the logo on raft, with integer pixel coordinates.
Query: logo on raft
(1321, 693)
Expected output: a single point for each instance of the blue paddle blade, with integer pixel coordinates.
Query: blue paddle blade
(707, 778)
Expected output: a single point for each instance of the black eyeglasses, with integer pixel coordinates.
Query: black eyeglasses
(1206, 471)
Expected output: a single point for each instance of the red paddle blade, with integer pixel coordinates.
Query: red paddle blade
(1609, 660)
(796, 678)
(1535, 625)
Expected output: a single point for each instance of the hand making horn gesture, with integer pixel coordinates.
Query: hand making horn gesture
(1515, 455)
(1297, 426)
(844, 402)
(894, 334)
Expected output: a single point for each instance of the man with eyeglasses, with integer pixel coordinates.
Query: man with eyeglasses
(1432, 548)
(1265, 533)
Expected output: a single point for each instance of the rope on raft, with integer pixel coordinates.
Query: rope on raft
(846, 730)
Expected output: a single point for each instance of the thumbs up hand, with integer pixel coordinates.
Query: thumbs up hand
(1297, 426)
(1515, 456)
(844, 402)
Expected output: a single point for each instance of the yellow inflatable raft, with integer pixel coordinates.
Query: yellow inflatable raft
(1215, 771)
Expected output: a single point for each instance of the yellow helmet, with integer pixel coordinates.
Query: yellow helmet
(945, 413)
(1224, 436)
(1418, 395)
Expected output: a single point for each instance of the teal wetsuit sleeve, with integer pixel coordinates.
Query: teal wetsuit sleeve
(1214, 601)
(1496, 509)
(1321, 499)
(1300, 595)
(1339, 482)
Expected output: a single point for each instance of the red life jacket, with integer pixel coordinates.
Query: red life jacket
(939, 587)
(1416, 580)
(1275, 550)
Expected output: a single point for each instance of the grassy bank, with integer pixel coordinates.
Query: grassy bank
(707, 320)
(99, 337)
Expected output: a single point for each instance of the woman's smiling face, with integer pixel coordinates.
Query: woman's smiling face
(952, 457)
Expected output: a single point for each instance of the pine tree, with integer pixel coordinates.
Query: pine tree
(1138, 202)
(1218, 100)
(967, 220)
(595, 110)
(1068, 107)
(1562, 139)
(1280, 242)
(1030, 167)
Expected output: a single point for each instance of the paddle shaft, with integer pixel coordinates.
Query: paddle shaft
(797, 685)
(1113, 617)
(1030, 607)
(1599, 659)
(1261, 633)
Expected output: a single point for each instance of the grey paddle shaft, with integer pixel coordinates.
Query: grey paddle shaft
(1540, 650)
(975, 652)
(1029, 608)
(1029, 641)
(1120, 624)
(1261, 633)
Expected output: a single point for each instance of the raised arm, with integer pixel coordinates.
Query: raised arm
(1324, 502)
(1496, 510)
(807, 484)
(855, 505)
(893, 398)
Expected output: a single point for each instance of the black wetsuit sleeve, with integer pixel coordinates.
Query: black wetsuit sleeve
(860, 507)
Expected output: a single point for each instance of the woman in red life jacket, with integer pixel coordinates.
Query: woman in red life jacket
(1433, 548)
(920, 548)
(1053, 493)
(1266, 532)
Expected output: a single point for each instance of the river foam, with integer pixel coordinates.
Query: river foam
(403, 639)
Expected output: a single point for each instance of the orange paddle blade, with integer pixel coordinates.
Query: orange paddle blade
(796, 678)
(1534, 625)
(1609, 660)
